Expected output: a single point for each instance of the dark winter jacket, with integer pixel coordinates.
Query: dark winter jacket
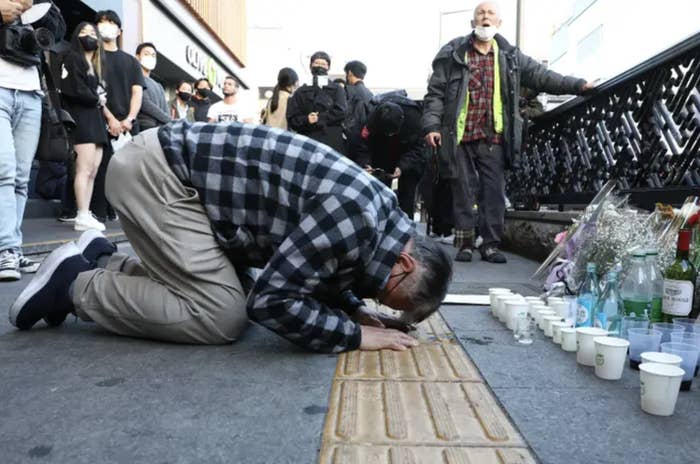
(405, 150)
(448, 85)
(330, 104)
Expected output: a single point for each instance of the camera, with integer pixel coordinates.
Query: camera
(22, 44)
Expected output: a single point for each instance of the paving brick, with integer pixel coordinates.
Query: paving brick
(352, 454)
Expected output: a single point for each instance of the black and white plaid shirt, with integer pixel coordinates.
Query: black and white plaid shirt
(324, 231)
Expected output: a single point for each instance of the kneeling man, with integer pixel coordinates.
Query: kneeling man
(199, 201)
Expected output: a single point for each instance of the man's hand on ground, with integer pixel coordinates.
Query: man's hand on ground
(375, 338)
(391, 322)
(365, 316)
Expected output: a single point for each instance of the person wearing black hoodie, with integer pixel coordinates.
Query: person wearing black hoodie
(391, 146)
(318, 110)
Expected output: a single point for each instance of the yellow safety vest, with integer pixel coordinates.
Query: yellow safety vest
(497, 102)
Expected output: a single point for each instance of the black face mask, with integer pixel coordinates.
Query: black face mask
(319, 71)
(184, 96)
(204, 93)
(89, 43)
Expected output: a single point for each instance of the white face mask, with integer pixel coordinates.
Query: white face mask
(485, 34)
(108, 31)
(149, 62)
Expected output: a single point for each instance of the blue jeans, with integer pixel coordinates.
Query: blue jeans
(20, 123)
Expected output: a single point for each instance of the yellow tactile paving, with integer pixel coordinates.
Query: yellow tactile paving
(425, 405)
(351, 454)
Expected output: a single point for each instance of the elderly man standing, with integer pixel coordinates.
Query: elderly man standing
(206, 199)
(471, 113)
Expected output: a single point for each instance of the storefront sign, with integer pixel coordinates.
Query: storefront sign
(205, 65)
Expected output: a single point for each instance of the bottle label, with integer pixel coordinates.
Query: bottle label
(583, 311)
(678, 297)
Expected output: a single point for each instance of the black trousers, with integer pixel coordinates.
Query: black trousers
(480, 179)
(408, 183)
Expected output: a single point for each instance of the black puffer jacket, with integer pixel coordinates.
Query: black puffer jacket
(447, 93)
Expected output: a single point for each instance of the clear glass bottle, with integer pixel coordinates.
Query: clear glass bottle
(657, 285)
(609, 310)
(636, 288)
(587, 297)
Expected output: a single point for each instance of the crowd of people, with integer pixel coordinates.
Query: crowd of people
(202, 204)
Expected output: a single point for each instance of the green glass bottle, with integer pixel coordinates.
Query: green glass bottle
(679, 282)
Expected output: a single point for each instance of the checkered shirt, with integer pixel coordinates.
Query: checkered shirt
(479, 123)
(324, 231)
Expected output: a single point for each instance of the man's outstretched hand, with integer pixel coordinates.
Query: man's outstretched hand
(375, 338)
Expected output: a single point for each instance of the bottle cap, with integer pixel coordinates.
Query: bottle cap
(591, 267)
(684, 240)
(639, 254)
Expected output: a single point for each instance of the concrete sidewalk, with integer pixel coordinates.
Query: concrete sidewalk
(41, 235)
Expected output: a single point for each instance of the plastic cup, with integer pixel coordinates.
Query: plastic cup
(514, 309)
(585, 353)
(610, 355)
(541, 314)
(659, 386)
(692, 338)
(661, 358)
(642, 340)
(568, 339)
(556, 331)
(534, 299)
(493, 292)
(547, 322)
(689, 353)
(690, 325)
(532, 311)
(632, 322)
(667, 329)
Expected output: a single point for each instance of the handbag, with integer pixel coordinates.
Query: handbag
(55, 143)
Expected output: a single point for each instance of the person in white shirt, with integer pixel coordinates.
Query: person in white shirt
(232, 108)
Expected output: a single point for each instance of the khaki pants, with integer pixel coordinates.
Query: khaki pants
(184, 289)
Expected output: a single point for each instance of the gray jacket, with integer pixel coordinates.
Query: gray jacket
(447, 94)
(154, 108)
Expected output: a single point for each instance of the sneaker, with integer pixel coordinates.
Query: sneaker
(447, 239)
(93, 244)
(86, 221)
(492, 255)
(9, 266)
(66, 218)
(27, 266)
(464, 255)
(47, 294)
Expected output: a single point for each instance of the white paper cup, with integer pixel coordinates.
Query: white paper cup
(534, 307)
(661, 358)
(556, 330)
(503, 311)
(540, 316)
(534, 299)
(553, 299)
(568, 339)
(514, 308)
(493, 292)
(547, 324)
(561, 308)
(610, 355)
(585, 352)
(500, 309)
(659, 387)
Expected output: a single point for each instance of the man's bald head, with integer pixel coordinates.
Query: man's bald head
(487, 14)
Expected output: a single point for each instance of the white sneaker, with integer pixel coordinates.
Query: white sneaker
(86, 221)
(447, 240)
(9, 265)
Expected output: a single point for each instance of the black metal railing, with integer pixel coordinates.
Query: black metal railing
(641, 129)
